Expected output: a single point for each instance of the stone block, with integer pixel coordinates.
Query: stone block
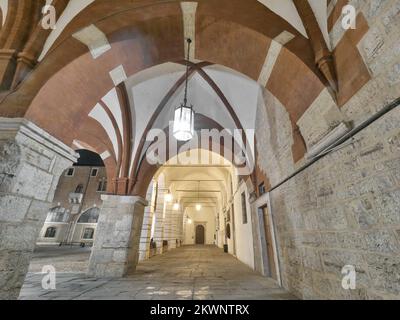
(321, 285)
(32, 182)
(103, 256)
(38, 211)
(391, 18)
(332, 218)
(388, 206)
(385, 272)
(13, 208)
(364, 213)
(329, 239)
(20, 236)
(351, 240)
(120, 255)
(311, 259)
(334, 261)
(383, 241)
(372, 44)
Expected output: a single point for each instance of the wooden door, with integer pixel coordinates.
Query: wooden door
(269, 243)
(200, 234)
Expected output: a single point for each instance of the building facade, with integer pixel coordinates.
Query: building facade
(73, 217)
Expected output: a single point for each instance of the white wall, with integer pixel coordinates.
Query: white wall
(79, 229)
(60, 233)
(4, 9)
(206, 216)
(243, 232)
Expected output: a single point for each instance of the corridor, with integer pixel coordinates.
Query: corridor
(189, 273)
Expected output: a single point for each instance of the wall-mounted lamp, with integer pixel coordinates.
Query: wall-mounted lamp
(168, 197)
(176, 206)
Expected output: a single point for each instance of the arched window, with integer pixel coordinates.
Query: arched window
(58, 214)
(79, 188)
(90, 216)
(88, 233)
(50, 232)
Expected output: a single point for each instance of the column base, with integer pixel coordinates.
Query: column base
(115, 252)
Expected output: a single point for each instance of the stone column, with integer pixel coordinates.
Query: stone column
(115, 251)
(159, 222)
(31, 162)
(145, 238)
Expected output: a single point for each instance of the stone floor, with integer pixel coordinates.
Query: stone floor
(64, 259)
(195, 272)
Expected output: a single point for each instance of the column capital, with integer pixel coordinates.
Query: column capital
(125, 199)
(20, 129)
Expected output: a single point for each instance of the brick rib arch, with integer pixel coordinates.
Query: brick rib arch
(147, 171)
(69, 81)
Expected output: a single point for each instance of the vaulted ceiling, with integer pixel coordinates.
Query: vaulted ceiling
(113, 65)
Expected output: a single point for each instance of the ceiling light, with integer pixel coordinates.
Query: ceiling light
(184, 115)
(198, 205)
(168, 197)
(176, 206)
(189, 221)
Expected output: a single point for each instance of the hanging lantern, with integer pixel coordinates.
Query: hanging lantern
(184, 115)
(184, 123)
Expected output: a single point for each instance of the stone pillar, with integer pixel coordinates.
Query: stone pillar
(145, 238)
(31, 162)
(115, 251)
(159, 221)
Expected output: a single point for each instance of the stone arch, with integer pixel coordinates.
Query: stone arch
(147, 171)
(88, 215)
(70, 60)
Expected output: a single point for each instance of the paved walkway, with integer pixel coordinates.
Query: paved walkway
(195, 272)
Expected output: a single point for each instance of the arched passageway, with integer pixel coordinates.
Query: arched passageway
(317, 104)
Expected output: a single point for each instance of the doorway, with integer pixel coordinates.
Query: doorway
(267, 243)
(200, 234)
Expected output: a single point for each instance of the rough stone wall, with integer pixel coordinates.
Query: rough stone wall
(380, 49)
(274, 138)
(344, 210)
(31, 163)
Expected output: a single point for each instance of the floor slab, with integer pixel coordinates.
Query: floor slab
(189, 273)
